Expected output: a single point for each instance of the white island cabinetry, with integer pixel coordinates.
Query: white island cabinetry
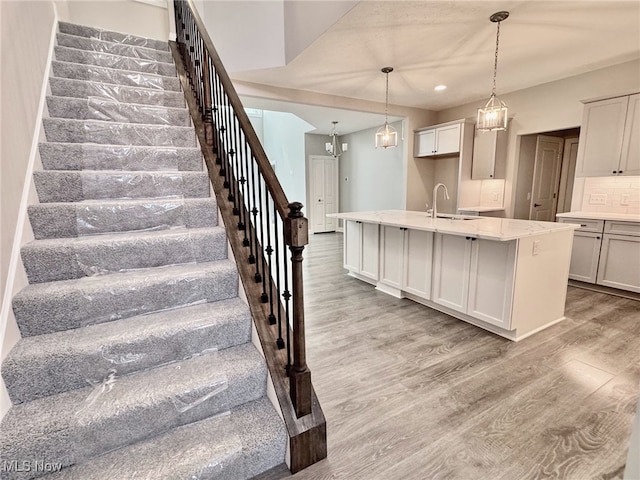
(361, 245)
(475, 277)
(405, 261)
(506, 276)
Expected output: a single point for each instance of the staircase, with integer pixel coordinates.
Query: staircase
(136, 358)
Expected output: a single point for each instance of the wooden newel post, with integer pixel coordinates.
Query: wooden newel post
(297, 236)
(208, 112)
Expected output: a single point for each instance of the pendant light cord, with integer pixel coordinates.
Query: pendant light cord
(386, 101)
(495, 64)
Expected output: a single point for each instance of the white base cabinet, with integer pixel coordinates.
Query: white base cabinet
(513, 288)
(475, 277)
(606, 253)
(405, 260)
(361, 248)
(619, 262)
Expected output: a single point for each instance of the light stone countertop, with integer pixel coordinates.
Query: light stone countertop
(481, 209)
(624, 217)
(489, 228)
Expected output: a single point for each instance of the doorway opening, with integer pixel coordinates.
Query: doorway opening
(546, 171)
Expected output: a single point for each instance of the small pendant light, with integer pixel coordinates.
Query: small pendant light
(494, 114)
(386, 136)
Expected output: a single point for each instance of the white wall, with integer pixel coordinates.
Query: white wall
(24, 64)
(247, 35)
(127, 16)
(370, 178)
(551, 106)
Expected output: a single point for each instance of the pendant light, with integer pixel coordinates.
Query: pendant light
(494, 114)
(334, 148)
(386, 136)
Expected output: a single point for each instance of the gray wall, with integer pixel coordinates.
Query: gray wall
(370, 178)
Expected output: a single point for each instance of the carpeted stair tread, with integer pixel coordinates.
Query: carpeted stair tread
(114, 111)
(36, 368)
(69, 87)
(89, 217)
(68, 258)
(78, 156)
(114, 76)
(237, 446)
(75, 55)
(68, 130)
(124, 38)
(75, 186)
(54, 306)
(115, 48)
(74, 426)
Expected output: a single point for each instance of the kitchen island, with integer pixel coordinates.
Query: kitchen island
(504, 275)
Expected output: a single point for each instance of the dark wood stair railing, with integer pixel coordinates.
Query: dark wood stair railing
(260, 223)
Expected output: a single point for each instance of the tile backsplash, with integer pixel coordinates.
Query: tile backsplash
(491, 193)
(611, 195)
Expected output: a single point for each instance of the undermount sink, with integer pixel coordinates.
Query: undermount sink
(452, 216)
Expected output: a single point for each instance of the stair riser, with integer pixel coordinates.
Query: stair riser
(107, 110)
(145, 342)
(60, 220)
(69, 259)
(249, 441)
(74, 186)
(66, 305)
(78, 441)
(95, 45)
(75, 156)
(113, 76)
(67, 87)
(110, 133)
(89, 32)
(114, 61)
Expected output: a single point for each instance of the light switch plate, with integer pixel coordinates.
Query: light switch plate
(598, 199)
(624, 200)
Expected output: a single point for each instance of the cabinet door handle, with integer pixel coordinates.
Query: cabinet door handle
(537, 204)
(583, 225)
(619, 171)
(614, 172)
(473, 239)
(597, 238)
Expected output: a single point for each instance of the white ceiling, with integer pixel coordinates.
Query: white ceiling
(452, 43)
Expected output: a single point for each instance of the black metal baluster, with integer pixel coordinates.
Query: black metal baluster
(254, 212)
(242, 218)
(236, 174)
(287, 296)
(279, 341)
(263, 296)
(267, 273)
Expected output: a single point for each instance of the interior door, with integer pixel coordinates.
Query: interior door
(546, 175)
(324, 193)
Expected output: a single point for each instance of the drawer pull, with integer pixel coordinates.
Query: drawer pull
(584, 225)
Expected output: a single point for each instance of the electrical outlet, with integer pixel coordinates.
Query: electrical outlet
(624, 201)
(598, 199)
(496, 196)
(536, 247)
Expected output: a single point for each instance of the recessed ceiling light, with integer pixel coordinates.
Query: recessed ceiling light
(439, 88)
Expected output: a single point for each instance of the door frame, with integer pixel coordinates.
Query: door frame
(310, 188)
(558, 168)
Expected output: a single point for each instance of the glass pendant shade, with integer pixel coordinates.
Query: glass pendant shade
(493, 116)
(334, 148)
(386, 137)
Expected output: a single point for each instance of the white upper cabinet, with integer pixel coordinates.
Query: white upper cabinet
(437, 140)
(630, 160)
(609, 138)
(489, 155)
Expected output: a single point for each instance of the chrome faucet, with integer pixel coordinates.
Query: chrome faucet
(434, 213)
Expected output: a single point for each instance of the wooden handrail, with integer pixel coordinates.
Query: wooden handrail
(273, 184)
(265, 219)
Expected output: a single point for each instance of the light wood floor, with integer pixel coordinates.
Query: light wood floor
(411, 393)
